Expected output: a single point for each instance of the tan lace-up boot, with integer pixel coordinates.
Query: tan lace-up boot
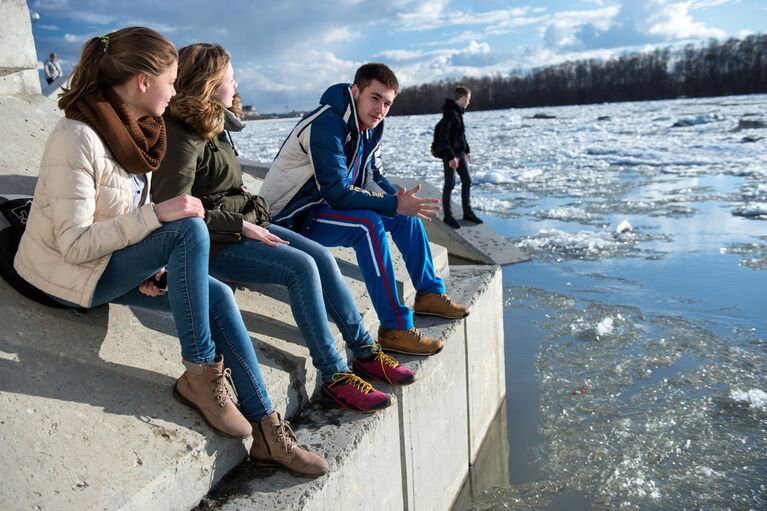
(434, 304)
(275, 444)
(203, 387)
(410, 342)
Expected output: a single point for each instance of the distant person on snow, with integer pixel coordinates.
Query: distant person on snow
(53, 68)
(456, 155)
(327, 182)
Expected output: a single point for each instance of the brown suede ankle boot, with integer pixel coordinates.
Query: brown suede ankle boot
(202, 387)
(274, 443)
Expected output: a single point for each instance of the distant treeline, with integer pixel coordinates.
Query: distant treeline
(735, 66)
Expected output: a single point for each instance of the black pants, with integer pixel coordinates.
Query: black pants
(447, 190)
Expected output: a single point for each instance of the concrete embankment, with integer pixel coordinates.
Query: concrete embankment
(415, 454)
(87, 420)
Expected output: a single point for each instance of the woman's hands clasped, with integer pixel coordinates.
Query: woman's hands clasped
(183, 206)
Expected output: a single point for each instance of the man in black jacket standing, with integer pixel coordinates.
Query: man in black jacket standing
(456, 155)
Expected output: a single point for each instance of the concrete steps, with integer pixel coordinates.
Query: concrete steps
(86, 412)
(413, 455)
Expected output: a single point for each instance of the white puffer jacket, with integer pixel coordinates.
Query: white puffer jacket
(81, 213)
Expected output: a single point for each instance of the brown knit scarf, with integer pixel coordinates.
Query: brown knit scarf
(137, 145)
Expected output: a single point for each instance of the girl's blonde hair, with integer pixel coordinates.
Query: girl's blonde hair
(201, 69)
(114, 58)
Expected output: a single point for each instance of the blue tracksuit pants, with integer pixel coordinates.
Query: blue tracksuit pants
(365, 231)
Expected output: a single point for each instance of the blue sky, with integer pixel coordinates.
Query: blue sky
(286, 53)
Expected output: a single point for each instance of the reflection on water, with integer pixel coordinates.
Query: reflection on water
(492, 463)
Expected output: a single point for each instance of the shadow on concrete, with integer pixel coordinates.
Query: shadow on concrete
(266, 355)
(58, 358)
(156, 320)
(17, 184)
(267, 326)
(55, 355)
(350, 270)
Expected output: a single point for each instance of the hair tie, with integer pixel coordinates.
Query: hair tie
(105, 42)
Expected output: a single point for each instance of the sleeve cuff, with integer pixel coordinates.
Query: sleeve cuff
(150, 217)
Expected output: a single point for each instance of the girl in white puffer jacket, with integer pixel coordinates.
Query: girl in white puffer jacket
(93, 236)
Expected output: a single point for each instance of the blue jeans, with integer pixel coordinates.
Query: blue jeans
(207, 318)
(316, 288)
(365, 231)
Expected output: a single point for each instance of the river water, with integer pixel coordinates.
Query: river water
(636, 339)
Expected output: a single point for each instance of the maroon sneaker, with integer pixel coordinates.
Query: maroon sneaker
(383, 367)
(347, 390)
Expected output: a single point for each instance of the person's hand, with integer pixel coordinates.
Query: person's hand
(468, 158)
(149, 288)
(410, 205)
(183, 206)
(258, 233)
(453, 164)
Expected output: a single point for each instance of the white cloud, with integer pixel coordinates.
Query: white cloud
(673, 21)
(635, 22)
(297, 81)
(341, 34)
(463, 37)
(705, 4)
(433, 15)
(600, 18)
(401, 54)
(427, 14)
(475, 54)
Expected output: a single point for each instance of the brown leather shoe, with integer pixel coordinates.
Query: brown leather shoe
(275, 444)
(203, 387)
(434, 304)
(410, 342)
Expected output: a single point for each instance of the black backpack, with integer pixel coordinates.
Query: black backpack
(14, 212)
(436, 150)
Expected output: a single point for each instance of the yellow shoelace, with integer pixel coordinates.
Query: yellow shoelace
(385, 360)
(353, 380)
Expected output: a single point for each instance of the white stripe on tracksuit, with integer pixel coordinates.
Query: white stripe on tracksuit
(367, 233)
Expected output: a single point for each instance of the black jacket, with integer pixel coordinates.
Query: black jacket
(452, 131)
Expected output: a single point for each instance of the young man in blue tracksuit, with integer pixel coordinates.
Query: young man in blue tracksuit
(327, 182)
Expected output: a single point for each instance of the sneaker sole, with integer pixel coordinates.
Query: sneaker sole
(193, 406)
(422, 354)
(365, 374)
(439, 315)
(332, 402)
